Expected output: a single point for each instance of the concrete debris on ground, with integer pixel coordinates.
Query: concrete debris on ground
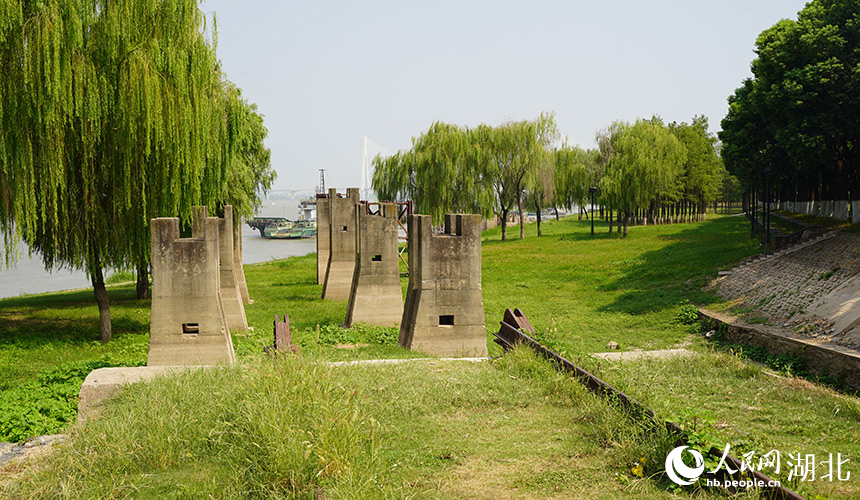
(819, 328)
(634, 355)
(31, 447)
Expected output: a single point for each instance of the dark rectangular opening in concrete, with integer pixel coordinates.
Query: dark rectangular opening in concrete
(376, 258)
(446, 320)
(190, 328)
(344, 229)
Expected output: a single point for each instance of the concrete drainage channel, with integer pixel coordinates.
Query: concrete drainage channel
(513, 330)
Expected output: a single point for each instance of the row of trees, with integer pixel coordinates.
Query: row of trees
(800, 112)
(483, 170)
(646, 171)
(113, 113)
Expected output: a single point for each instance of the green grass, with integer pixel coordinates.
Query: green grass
(291, 428)
(289, 287)
(43, 331)
(508, 429)
(752, 408)
(48, 344)
(608, 288)
(785, 225)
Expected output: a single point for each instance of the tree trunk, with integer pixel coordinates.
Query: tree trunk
(142, 281)
(522, 215)
(610, 220)
(100, 294)
(626, 222)
(538, 221)
(556, 213)
(504, 224)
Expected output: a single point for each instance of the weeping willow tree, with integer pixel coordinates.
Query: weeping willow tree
(440, 174)
(510, 153)
(575, 172)
(645, 162)
(483, 170)
(112, 113)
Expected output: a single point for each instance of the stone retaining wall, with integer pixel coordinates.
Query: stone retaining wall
(822, 357)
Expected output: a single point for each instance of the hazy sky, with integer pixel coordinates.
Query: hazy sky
(327, 73)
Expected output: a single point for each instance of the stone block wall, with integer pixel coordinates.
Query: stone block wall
(444, 311)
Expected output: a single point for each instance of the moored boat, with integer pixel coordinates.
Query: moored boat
(278, 231)
(263, 223)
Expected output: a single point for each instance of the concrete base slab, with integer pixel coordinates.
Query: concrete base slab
(103, 383)
(634, 355)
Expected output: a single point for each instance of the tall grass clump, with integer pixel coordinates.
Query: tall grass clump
(278, 429)
(640, 443)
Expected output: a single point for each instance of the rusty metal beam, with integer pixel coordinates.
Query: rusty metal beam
(283, 338)
(512, 332)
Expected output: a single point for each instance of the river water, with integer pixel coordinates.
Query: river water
(28, 274)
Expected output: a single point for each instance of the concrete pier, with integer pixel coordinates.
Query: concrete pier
(341, 259)
(444, 311)
(187, 325)
(375, 296)
(323, 236)
(231, 294)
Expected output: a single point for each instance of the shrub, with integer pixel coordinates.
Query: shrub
(688, 315)
(46, 405)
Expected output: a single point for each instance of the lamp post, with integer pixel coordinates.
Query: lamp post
(591, 191)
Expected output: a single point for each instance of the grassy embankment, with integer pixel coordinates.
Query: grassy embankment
(509, 429)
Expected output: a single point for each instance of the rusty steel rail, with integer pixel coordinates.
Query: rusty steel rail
(513, 330)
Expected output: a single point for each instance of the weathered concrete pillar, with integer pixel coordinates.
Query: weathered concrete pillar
(231, 298)
(323, 236)
(237, 263)
(375, 296)
(855, 212)
(187, 325)
(444, 311)
(341, 258)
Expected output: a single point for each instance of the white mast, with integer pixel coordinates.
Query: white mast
(366, 166)
(365, 181)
